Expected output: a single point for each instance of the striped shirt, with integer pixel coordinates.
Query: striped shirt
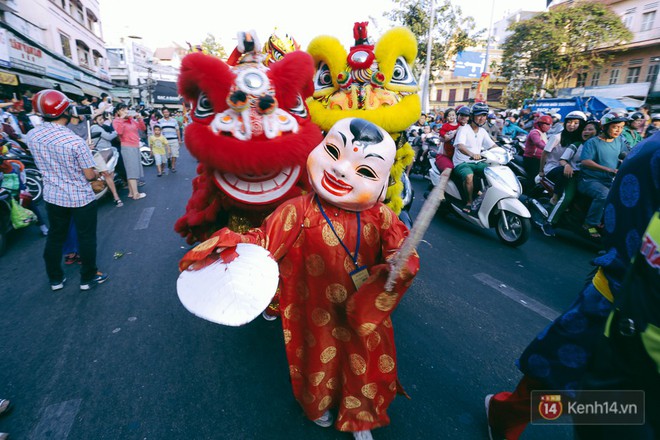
(169, 128)
(61, 157)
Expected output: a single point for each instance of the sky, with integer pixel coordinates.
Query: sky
(165, 21)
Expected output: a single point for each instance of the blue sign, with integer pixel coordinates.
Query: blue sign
(470, 64)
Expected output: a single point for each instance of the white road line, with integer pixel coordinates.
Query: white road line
(145, 218)
(56, 420)
(519, 297)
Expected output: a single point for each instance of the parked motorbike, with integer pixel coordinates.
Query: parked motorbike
(5, 218)
(111, 157)
(498, 206)
(146, 158)
(33, 177)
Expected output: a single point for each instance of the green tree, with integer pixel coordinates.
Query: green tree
(547, 50)
(213, 47)
(451, 33)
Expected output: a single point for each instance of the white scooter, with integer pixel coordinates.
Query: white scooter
(146, 157)
(498, 205)
(111, 157)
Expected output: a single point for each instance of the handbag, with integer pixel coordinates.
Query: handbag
(21, 217)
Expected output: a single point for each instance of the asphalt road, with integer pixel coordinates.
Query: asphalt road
(127, 361)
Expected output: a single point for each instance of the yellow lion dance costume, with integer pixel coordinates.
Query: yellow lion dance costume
(373, 82)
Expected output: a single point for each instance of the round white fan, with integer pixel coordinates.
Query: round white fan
(231, 293)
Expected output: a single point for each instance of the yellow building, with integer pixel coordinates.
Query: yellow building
(632, 74)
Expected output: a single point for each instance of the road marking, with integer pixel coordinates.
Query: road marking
(519, 297)
(145, 218)
(56, 420)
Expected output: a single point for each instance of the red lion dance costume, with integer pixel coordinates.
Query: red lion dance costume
(251, 133)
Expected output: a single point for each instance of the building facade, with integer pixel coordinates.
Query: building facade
(52, 44)
(631, 75)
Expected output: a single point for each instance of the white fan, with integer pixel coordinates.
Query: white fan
(231, 293)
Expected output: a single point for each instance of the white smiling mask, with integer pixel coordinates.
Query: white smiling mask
(350, 168)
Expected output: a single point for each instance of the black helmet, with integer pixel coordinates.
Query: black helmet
(612, 117)
(635, 116)
(479, 108)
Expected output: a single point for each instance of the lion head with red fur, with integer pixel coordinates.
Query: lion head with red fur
(251, 133)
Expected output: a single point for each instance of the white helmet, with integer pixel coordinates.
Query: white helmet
(576, 114)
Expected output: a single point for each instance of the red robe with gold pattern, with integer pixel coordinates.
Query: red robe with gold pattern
(339, 341)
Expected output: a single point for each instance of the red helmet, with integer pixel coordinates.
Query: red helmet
(50, 103)
(546, 119)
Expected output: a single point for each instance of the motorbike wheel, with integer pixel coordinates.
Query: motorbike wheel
(146, 158)
(34, 183)
(518, 230)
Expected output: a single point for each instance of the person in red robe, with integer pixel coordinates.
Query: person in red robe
(333, 248)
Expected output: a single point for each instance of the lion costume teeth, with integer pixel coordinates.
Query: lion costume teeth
(251, 133)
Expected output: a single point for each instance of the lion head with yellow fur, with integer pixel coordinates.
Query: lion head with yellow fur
(372, 82)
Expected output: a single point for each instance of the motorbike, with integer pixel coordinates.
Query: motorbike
(33, 177)
(408, 195)
(498, 206)
(5, 218)
(516, 146)
(422, 163)
(111, 157)
(146, 158)
(571, 220)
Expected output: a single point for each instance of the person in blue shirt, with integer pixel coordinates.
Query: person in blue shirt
(600, 160)
(511, 129)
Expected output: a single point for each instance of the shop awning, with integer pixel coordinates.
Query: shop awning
(71, 89)
(8, 78)
(91, 90)
(35, 81)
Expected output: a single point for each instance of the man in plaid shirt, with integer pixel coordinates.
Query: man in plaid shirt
(67, 165)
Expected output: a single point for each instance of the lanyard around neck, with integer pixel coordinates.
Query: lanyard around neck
(357, 246)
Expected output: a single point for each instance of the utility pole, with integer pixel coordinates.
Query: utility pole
(426, 84)
(490, 30)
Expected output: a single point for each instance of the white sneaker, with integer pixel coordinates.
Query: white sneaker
(325, 420)
(363, 435)
(44, 230)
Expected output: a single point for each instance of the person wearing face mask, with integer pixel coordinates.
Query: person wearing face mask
(333, 247)
(534, 145)
(67, 165)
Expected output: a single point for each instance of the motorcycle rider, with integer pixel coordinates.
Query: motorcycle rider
(558, 168)
(600, 159)
(511, 128)
(557, 126)
(492, 128)
(534, 145)
(470, 140)
(444, 160)
(653, 126)
(632, 132)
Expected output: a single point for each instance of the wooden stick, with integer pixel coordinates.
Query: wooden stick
(422, 223)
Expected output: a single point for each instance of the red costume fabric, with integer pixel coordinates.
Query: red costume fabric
(339, 340)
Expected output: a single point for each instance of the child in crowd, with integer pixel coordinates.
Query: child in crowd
(159, 148)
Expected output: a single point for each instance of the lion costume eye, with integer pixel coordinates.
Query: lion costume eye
(323, 77)
(332, 151)
(204, 108)
(300, 109)
(402, 74)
